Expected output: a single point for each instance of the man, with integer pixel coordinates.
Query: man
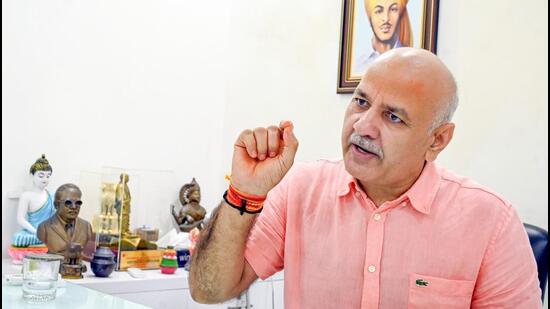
(385, 227)
(64, 228)
(391, 28)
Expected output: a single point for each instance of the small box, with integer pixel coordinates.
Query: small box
(148, 234)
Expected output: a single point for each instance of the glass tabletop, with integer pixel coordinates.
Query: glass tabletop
(67, 296)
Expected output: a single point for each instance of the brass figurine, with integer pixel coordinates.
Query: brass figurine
(191, 215)
(109, 223)
(106, 222)
(129, 240)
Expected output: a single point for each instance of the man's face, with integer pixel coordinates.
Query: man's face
(69, 204)
(41, 179)
(384, 18)
(388, 121)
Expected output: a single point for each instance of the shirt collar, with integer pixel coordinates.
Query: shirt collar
(421, 195)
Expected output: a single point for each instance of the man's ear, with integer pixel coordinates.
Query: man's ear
(441, 137)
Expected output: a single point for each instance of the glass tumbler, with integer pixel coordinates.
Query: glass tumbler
(40, 273)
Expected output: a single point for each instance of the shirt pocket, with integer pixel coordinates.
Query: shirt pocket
(433, 292)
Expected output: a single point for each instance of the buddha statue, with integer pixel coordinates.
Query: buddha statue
(35, 206)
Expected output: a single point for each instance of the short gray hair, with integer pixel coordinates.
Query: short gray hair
(446, 112)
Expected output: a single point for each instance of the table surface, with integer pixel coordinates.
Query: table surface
(68, 295)
(120, 282)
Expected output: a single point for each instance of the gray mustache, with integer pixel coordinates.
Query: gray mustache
(366, 143)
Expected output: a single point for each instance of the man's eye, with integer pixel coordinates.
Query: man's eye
(393, 118)
(361, 102)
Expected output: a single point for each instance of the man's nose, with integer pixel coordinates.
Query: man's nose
(368, 125)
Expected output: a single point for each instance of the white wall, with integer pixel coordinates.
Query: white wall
(163, 88)
(284, 65)
(498, 51)
(124, 84)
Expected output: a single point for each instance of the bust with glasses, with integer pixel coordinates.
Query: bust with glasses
(64, 230)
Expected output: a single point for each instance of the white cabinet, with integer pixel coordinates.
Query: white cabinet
(266, 294)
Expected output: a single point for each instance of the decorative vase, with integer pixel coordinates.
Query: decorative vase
(169, 263)
(103, 262)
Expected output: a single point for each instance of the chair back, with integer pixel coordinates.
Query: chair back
(538, 238)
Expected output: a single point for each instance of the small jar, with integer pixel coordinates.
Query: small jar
(103, 262)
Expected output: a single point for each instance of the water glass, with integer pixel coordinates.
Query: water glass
(40, 273)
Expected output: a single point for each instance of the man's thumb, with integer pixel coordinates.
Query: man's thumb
(290, 144)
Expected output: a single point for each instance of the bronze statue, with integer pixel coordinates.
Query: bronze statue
(129, 240)
(72, 267)
(122, 203)
(191, 214)
(66, 234)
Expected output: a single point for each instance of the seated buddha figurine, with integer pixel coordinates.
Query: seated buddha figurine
(191, 214)
(35, 206)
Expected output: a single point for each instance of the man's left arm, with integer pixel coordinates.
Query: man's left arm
(508, 276)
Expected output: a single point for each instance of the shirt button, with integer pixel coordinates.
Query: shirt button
(377, 217)
(358, 194)
(372, 269)
(404, 204)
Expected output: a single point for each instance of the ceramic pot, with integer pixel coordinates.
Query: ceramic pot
(103, 262)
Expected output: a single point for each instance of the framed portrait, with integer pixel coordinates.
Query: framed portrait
(372, 27)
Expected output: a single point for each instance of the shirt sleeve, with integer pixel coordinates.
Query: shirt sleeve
(265, 245)
(508, 276)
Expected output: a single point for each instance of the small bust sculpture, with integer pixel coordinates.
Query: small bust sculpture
(35, 206)
(191, 214)
(64, 233)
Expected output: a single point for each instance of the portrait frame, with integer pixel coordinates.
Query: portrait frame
(424, 29)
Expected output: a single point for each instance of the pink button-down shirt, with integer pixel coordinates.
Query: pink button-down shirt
(445, 243)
